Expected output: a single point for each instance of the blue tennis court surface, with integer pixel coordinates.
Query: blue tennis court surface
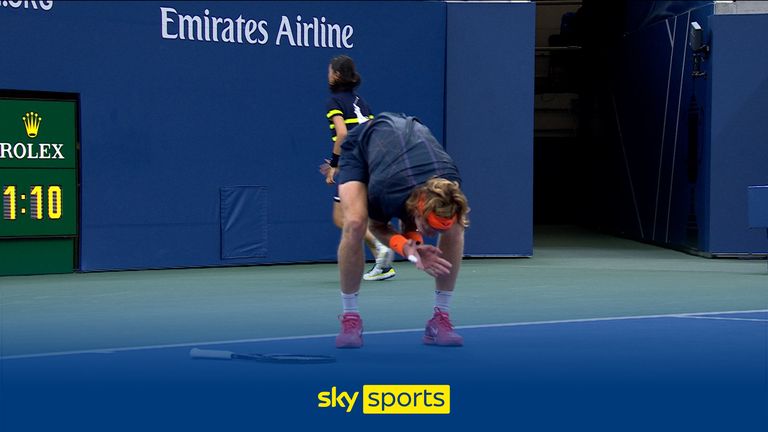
(668, 372)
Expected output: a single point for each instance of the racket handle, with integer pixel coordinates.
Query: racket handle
(413, 259)
(210, 354)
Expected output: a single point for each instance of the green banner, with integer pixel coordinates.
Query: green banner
(37, 134)
(36, 256)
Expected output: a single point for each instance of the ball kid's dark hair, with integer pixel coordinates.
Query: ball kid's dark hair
(348, 78)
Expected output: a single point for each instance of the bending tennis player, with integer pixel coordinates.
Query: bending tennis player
(392, 167)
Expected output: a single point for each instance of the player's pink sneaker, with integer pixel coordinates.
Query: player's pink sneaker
(439, 331)
(351, 335)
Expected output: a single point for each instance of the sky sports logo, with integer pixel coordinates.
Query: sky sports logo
(391, 399)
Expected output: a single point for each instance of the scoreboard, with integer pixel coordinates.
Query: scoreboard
(38, 185)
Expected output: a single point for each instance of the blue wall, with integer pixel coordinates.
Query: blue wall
(171, 128)
(738, 143)
(489, 121)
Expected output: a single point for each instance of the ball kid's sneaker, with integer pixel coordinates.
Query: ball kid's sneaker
(378, 273)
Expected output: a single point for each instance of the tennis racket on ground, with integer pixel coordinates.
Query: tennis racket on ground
(197, 353)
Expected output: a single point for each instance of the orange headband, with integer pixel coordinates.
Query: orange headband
(437, 222)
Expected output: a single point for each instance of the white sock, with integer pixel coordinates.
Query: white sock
(443, 300)
(380, 259)
(349, 302)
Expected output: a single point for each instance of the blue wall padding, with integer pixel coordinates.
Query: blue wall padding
(489, 121)
(757, 202)
(244, 219)
(739, 130)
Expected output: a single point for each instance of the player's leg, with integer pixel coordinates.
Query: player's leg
(382, 268)
(439, 329)
(452, 244)
(354, 203)
(338, 214)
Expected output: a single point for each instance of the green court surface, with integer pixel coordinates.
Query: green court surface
(573, 274)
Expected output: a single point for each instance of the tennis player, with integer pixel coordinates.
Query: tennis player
(346, 109)
(393, 167)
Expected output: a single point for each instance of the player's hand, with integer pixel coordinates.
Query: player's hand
(428, 258)
(324, 167)
(330, 175)
(328, 171)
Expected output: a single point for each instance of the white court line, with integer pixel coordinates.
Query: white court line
(380, 332)
(722, 318)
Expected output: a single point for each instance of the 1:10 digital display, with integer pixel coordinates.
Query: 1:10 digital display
(38, 202)
(35, 198)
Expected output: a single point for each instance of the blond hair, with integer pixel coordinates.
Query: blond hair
(441, 196)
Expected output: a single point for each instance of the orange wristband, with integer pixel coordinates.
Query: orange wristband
(415, 236)
(396, 243)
